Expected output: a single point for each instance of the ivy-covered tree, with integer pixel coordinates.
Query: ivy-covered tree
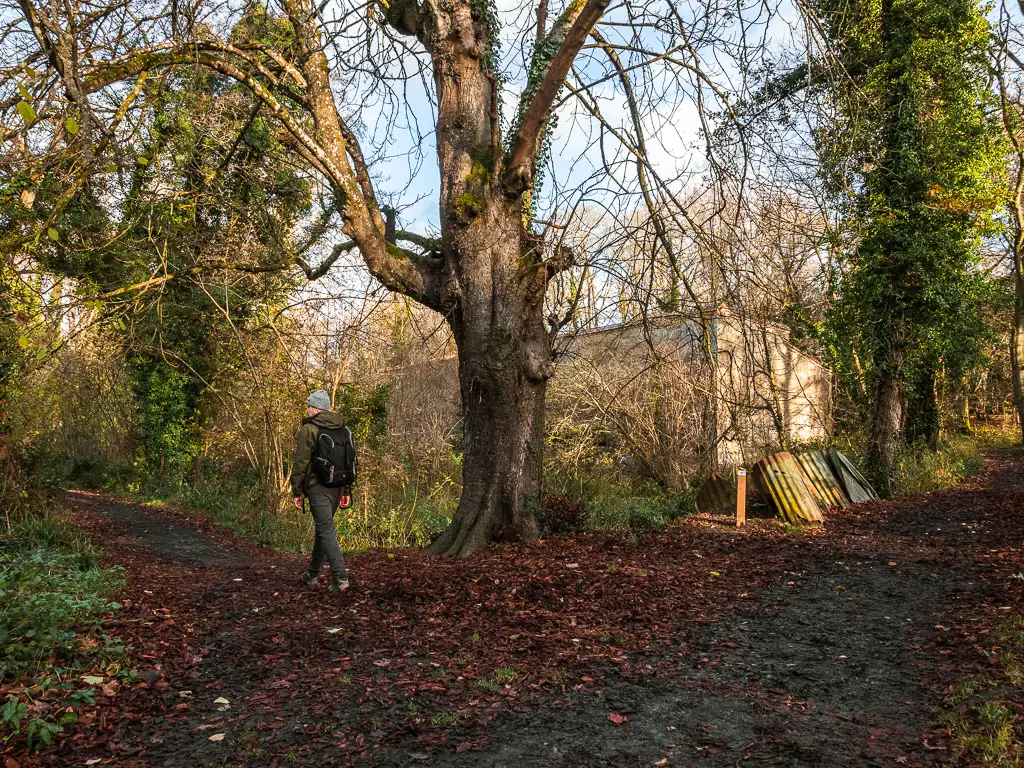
(1008, 68)
(207, 202)
(916, 154)
(10, 353)
(211, 183)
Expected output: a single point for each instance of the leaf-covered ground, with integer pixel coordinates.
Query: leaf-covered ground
(875, 641)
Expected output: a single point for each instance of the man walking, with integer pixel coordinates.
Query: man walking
(324, 498)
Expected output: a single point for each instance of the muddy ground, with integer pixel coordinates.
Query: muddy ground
(702, 645)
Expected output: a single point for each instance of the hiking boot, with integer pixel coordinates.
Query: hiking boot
(339, 585)
(308, 578)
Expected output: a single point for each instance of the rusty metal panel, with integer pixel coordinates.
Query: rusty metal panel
(781, 480)
(821, 480)
(857, 488)
(718, 494)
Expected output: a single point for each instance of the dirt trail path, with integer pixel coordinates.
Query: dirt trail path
(165, 538)
(702, 645)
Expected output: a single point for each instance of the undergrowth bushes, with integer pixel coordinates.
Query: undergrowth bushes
(53, 589)
(241, 508)
(615, 508)
(394, 504)
(405, 502)
(920, 470)
(632, 515)
(382, 515)
(50, 583)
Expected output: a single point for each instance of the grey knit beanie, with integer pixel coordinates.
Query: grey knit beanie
(319, 399)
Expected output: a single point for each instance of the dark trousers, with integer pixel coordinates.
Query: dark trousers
(323, 503)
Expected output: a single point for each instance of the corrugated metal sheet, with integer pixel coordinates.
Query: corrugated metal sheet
(857, 488)
(822, 481)
(781, 480)
(718, 494)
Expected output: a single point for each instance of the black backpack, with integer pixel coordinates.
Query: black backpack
(334, 458)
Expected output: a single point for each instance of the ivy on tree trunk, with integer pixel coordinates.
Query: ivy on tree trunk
(915, 142)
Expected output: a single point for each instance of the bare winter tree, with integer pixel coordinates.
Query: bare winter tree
(314, 68)
(1008, 65)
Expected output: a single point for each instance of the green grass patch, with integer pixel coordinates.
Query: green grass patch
(921, 470)
(959, 458)
(631, 515)
(1008, 643)
(446, 719)
(505, 675)
(53, 590)
(984, 729)
(50, 584)
(962, 691)
(985, 735)
(556, 675)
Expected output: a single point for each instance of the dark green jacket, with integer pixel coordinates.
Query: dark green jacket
(301, 478)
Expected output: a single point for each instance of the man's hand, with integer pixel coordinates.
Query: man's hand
(345, 501)
(297, 501)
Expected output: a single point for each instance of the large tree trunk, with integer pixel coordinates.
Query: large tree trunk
(494, 278)
(501, 477)
(1011, 115)
(1017, 331)
(886, 425)
(505, 360)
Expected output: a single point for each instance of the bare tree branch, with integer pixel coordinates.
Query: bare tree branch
(526, 143)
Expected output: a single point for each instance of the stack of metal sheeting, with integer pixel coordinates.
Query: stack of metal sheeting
(822, 481)
(857, 488)
(718, 494)
(800, 488)
(780, 478)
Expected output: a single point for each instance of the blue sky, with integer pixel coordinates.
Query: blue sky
(408, 175)
(399, 133)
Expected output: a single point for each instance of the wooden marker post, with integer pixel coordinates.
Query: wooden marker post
(741, 497)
